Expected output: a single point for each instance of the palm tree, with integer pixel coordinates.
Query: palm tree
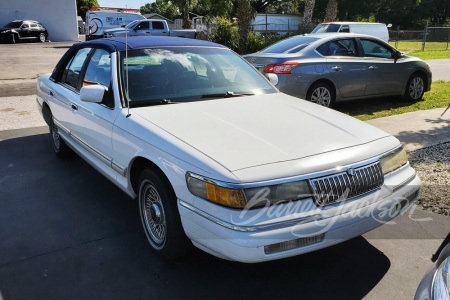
(308, 14)
(331, 12)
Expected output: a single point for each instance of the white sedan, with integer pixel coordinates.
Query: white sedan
(215, 155)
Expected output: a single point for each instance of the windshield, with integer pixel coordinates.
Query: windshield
(186, 74)
(291, 45)
(326, 28)
(13, 25)
(131, 24)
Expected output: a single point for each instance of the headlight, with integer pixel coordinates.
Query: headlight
(393, 160)
(441, 283)
(247, 197)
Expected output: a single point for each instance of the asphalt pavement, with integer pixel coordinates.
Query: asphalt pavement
(440, 68)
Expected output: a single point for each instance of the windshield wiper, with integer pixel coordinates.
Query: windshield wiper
(228, 94)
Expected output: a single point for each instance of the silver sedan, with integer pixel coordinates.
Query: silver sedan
(325, 68)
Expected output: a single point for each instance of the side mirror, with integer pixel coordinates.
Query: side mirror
(92, 93)
(398, 54)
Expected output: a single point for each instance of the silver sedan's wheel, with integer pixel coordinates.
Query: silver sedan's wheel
(153, 214)
(321, 96)
(42, 37)
(416, 87)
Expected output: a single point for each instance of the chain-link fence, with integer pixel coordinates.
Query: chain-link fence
(430, 38)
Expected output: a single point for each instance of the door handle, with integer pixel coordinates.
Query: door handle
(52, 93)
(147, 32)
(74, 106)
(336, 68)
(164, 32)
(372, 68)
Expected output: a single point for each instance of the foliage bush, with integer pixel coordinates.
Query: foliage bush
(227, 34)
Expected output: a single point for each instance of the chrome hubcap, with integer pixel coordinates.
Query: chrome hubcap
(321, 96)
(55, 137)
(416, 88)
(153, 213)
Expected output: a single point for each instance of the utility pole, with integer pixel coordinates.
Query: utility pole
(425, 37)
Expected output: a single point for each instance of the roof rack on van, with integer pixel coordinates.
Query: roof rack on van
(110, 8)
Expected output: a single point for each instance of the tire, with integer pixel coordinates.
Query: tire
(160, 217)
(415, 88)
(42, 37)
(322, 93)
(59, 146)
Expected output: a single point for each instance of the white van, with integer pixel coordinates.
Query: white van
(378, 30)
(98, 19)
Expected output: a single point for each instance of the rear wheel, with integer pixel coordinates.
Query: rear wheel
(322, 93)
(415, 88)
(42, 37)
(160, 217)
(59, 146)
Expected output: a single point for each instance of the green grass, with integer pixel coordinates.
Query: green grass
(417, 46)
(430, 54)
(366, 109)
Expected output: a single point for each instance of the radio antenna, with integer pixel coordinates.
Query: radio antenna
(126, 62)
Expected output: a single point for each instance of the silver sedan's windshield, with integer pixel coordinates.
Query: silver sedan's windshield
(186, 74)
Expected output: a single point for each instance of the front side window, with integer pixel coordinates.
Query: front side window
(142, 26)
(344, 47)
(158, 25)
(72, 70)
(187, 74)
(99, 69)
(375, 49)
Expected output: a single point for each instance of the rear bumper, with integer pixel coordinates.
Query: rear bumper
(236, 243)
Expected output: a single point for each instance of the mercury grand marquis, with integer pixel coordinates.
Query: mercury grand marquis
(215, 155)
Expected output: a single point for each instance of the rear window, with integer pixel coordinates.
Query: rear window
(326, 28)
(291, 45)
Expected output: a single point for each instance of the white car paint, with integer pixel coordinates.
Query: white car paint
(244, 140)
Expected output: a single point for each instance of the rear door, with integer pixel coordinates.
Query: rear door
(382, 67)
(159, 28)
(346, 66)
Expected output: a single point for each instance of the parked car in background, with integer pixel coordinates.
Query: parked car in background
(23, 30)
(378, 30)
(325, 68)
(215, 155)
(99, 19)
(151, 27)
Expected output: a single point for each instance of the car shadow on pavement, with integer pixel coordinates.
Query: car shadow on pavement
(66, 232)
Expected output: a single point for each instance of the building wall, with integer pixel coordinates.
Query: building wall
(58, 16)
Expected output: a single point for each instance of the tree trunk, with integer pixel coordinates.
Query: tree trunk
(331, 12)
(308, 14)
(244, 15)
(187, 23)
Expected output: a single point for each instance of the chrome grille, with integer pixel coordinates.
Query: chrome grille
(341, 186)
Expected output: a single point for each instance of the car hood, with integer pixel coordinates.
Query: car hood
(250, 131)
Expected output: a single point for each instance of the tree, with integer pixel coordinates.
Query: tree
(308, 14)
(162, 8)
(244, 15)
(81, 11)
(331, 12)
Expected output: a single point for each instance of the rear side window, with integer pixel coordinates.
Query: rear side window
(344, 47)
(289, 45)
(158, 25)
(72, 70)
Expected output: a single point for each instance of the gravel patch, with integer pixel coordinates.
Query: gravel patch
(432, 164)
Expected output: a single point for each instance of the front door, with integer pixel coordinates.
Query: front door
(143, 28)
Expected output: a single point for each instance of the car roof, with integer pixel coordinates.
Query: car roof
(350, 23)
(139, 42)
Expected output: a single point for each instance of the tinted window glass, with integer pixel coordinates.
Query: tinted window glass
(73, 69)
(345, 47)
(34, 25)
(323, 49)
(158, 25)
(99, 69)
(142, 26)
(289, 44)
(326, 28)
(25, 25)
(374, 49)
(13, 25)
(187, 74)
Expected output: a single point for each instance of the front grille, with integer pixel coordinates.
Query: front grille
(341, 186)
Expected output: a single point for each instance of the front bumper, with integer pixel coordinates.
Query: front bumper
(334, 224)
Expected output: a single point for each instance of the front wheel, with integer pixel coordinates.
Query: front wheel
(322, 93)
(415, 88)
(160, 217)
